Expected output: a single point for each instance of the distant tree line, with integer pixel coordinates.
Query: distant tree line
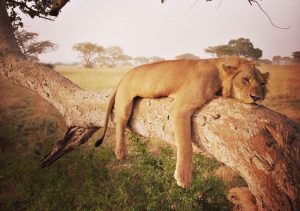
(286, 60)
(93, 54)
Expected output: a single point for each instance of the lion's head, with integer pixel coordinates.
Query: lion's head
(244, 82)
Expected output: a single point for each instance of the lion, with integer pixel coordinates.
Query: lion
(191, 83)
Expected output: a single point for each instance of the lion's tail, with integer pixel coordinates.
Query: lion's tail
(107, 115)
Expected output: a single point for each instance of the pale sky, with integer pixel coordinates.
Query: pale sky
(149, 28)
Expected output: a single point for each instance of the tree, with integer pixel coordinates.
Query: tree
(267, 156)
(276, 59)
(239, 47)
(282, 60)
(155, 59)
(264, 61)
(112, 56)
(140, 60)
(30, 47)
(296, 56)
(187, 56)
(88, 52)
(34, 8)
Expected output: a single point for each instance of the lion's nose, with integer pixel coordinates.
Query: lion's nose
(255, 98)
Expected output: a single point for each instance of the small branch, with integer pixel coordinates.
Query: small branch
(195, 2)
(74, 137)
(266, 14)
(220, 2)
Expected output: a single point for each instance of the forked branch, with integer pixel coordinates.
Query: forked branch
(74, 137)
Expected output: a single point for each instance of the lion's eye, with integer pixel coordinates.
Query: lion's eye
(263, 84)
(246, 80)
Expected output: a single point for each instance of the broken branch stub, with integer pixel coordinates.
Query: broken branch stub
(74, 137)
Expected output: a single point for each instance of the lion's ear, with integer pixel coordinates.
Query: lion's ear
(266, 76)
(229, 70)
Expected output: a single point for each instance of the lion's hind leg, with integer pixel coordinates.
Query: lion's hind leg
(123, 108)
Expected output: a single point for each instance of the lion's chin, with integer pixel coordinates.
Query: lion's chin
(251, 105)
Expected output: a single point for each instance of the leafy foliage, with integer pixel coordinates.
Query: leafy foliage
(29, 45)
(33, 8)
(282, 60)
(296, 56)
(238, 47)
(88, 52)
(156, 59)
(112, 56)
(140, 60)
(187, 56)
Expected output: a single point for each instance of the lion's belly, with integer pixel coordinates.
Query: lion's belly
(155, 89)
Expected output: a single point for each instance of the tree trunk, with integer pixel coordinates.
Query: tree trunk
(262, 145)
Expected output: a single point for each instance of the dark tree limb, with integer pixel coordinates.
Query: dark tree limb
(57, 5)
(74, 137)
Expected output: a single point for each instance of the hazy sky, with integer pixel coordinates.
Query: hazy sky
(149, 28)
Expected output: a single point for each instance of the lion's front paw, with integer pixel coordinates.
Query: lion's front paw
(121, 153)
(183, 177)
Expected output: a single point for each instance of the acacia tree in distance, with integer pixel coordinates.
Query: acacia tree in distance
(239, 47)
(296, 56)
(187, 56)
(140, 60)
(29, 45)
(156, 59)
(88, 52)
(112, 56)
(270, 163)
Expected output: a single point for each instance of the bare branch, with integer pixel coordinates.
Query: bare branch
(74, 137)
(57, 5)
(195, 2)
(273, 24)
(220, 2)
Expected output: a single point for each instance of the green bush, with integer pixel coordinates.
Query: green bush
(92, 179)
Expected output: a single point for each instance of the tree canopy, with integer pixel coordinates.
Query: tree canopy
(88, 52)
(296, 56)
(33, 8)
(239, 47)
(29, 45)
(112, 56)
(187, 56)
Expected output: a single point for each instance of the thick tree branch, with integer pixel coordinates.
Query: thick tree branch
(57, 6)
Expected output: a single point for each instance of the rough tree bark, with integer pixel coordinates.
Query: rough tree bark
(262, 145)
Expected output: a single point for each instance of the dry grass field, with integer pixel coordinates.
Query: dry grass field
(284, 90)
(94, 79)
(29, 126)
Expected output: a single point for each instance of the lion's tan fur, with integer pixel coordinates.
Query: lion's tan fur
(191, 83)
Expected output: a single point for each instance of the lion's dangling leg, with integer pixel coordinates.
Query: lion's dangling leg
(123, 106)
(182, 112)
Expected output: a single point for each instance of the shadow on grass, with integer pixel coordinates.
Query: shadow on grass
(91, 179)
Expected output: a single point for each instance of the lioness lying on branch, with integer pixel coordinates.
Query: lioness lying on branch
(191, 83)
